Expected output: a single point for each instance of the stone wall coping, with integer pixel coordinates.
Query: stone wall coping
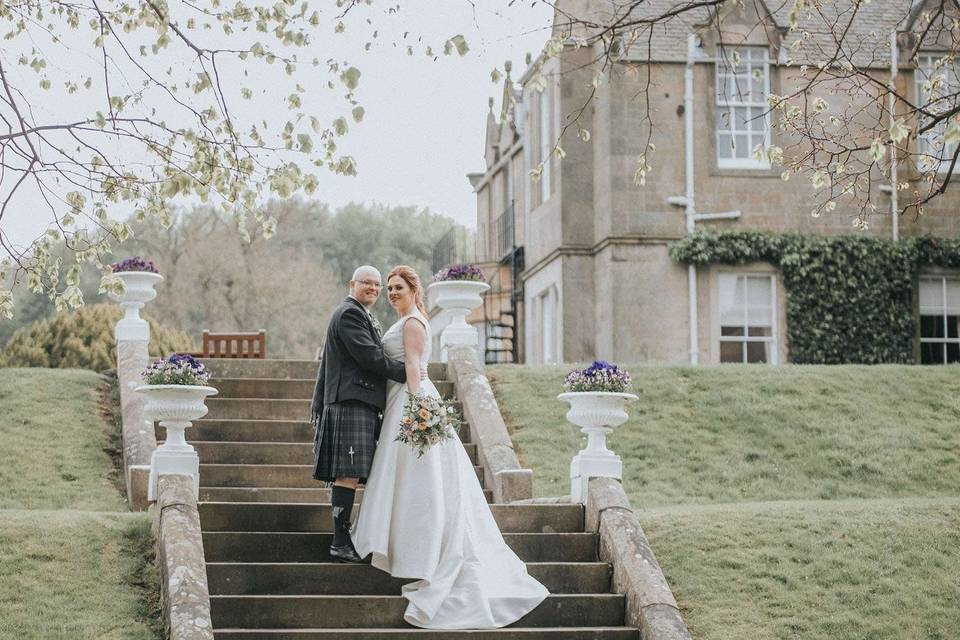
(650, 605)
(495, 451)
(185, 596)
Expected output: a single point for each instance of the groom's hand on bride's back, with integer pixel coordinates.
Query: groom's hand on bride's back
(423, 374)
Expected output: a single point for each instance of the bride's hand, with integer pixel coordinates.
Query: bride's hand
(423, 374)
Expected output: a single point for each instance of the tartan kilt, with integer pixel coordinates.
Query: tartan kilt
(345, 426)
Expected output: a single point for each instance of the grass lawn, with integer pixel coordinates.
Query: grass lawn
(74, 563)
(749, 433)
(794, 502)
(825, 570)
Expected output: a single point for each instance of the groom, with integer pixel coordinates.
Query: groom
(348, 399)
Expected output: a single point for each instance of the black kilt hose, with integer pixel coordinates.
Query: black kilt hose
(346, 441)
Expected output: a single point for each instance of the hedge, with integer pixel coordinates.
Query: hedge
(850, 299)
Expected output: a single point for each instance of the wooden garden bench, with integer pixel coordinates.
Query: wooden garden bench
(234, 345)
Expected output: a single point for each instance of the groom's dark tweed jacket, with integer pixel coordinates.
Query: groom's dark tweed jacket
(351, 389)
(354, 366)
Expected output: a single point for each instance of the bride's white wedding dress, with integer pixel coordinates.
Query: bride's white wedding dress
(427, 519)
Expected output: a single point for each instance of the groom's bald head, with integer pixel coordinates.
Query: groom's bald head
(365, 285)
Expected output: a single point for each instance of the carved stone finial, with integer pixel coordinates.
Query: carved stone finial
(507, 66)
(490, 102)
(529, 57)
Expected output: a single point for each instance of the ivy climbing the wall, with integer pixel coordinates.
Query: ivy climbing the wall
(850, 299)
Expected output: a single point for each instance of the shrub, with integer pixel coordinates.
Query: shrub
(82, 339)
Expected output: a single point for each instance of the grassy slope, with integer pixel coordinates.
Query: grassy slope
(65, 573)
(734, 433)
(793, 502)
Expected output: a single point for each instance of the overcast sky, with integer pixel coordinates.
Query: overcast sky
(425, 119)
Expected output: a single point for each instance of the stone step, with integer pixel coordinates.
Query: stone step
(302, 369)
(334, 579)
(247, 546)
(286, 388)
(257, 409)
(279, 388)
(264, 409)
(270, 452)
(267, 516)
(279, 494)
(333, 612)
(511, 633)
(240, 430)
(256, 368)
(267, 475)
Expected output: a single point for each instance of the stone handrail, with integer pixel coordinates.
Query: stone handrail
(650, 605)
(184, 593)
(139, 439)
(510, 482)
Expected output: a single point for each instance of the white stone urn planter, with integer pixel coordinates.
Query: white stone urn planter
(138, 291)
(458, 298)
(174, 406)
(597, 413)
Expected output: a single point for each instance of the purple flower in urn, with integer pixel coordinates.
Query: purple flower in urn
(599, 376)
(134, 263)
(459, 272)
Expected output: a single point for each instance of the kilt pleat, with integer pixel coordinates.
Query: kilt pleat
(345, 441)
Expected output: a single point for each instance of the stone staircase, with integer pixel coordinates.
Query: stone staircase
(267, 528)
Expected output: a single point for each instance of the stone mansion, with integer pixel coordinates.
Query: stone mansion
(579, 260)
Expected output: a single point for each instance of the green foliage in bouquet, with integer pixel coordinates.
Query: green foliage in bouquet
(850, 299)
(82, 339)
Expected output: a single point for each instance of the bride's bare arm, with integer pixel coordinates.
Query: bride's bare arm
(414, 344)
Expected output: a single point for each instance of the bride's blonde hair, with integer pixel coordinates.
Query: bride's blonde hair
(413, 281)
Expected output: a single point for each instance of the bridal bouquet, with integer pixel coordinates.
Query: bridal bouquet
(426, 421)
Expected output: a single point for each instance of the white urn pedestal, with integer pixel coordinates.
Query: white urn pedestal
(138, 290)
(458, 298)
(174, 406)
(597, 413)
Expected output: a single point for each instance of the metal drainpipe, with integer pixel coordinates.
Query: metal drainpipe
(690, 207)
(894, 217)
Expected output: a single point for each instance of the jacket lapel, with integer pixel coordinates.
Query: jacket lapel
(366, 314)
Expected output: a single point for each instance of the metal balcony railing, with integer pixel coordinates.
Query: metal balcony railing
(504, 236)
(457, 246)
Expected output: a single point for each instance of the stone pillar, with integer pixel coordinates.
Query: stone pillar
(132, 334)
(139, 439)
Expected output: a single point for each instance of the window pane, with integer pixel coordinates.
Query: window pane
(741, 146)
(931, 353)
(758, 290)
(931, 326)
(757, 351)
(723, 119)
(759, 331)
(953, 353)
(759, 316)
(740, 115)
(952, 326)
(731, 331)
(931, 294)
(724, 149)
(953, 296)
(732, 298)
(742, 88)
(757, 84)
(731, 352)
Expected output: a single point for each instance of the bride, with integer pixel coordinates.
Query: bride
(427, 518)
